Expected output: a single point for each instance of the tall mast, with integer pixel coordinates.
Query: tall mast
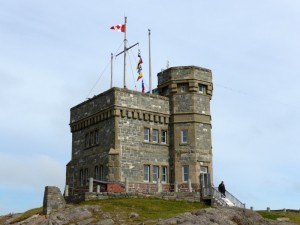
(150, 75)
(125, 40)
(111, 69)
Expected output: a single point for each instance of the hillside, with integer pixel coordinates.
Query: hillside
(142, 211)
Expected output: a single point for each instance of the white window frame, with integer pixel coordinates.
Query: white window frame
(185, 173)
(184, 136)
(204, 169)
(147, 134)
(155, 135)
(164, 174)
(146, 173)
(155, 173)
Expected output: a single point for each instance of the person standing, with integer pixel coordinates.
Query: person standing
(222, 189)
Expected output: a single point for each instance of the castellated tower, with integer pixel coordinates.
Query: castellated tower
(141, 139)
(189, 90)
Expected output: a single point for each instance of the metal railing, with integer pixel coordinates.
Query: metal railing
(216, 195)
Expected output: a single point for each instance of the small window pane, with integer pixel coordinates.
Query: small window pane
(81, 177)
(183, 88)
(155, 173)
(201, 88)
(185, 173)
(96, 137)
(203, 169)
(146, 173)
(164, 137)
(96, 175)
(92, 138)
(86, 176)
(101, 173)
(146, 134)
(184, 136)
(164, 174)
(87, 140)
(155, 136)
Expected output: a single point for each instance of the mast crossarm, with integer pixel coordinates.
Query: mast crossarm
(127, 49)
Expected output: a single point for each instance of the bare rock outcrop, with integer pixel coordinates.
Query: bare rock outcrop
(221, 216)
(93, 215)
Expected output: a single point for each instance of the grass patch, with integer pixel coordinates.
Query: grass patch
(293, 216)
(148, 209)
(28, 214)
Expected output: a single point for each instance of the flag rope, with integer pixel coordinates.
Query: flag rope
(98, 79)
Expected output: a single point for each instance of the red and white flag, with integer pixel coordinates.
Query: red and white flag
(119, 27)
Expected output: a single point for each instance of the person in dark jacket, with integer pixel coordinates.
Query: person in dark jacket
(222, 189)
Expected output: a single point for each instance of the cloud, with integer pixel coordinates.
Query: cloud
(31, 172)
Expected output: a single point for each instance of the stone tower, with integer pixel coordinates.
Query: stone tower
(145, 138)
(189, 90)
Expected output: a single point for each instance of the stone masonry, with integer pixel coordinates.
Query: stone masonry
(53, 200)
(145, 138)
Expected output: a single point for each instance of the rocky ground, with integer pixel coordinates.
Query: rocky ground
(83, 215)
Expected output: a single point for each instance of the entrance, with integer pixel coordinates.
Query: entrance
(205, 182)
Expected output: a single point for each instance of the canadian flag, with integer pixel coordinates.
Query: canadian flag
(119, 27)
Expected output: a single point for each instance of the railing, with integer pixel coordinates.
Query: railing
(232, 199)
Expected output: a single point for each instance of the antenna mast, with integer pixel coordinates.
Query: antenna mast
(150, 75)
(111, 69)
(125, 40)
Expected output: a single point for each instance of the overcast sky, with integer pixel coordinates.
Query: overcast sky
(54, 54)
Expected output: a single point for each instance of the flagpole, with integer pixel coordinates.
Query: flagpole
(150, 75)
(124, 81)
(111, 69)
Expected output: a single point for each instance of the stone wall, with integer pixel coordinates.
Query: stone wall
(184, 73)
(53, 200)
(121, 115)
(183, 196)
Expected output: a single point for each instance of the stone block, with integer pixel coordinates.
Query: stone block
(53, 200)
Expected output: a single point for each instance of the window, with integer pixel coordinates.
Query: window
(96, 137)
(101, 174)
(184, 136)
(183, 88)
(155, 174)
(81, 177)
(92, 138)
(164, 136)
(86, 176)
(146, 173)
(96, 174)
(146, 134)
(185, 173)
(203, 169)
(201, 88)
(87, 140)
(155, 135)
(164, 174)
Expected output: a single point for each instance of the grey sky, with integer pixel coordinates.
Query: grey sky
(53, 52)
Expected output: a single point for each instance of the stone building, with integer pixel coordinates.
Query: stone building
(145, 138)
